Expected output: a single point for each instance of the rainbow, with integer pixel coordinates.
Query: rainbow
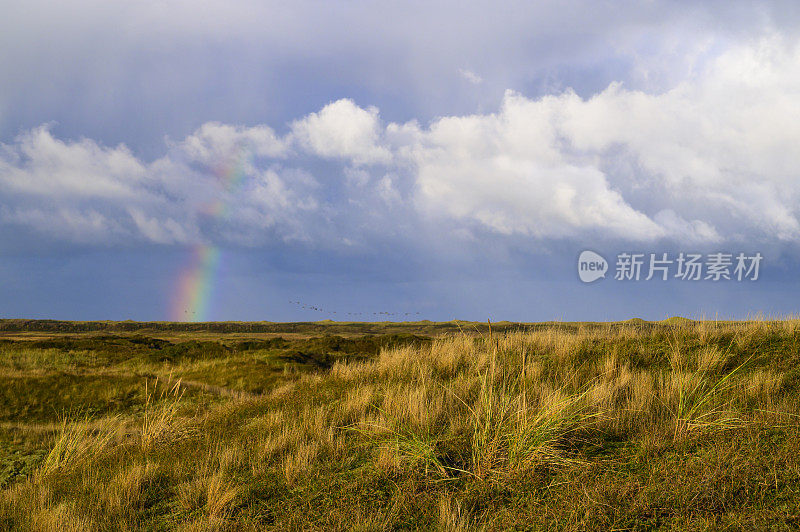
(194, 292)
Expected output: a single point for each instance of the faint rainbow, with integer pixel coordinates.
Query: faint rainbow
(197, 281)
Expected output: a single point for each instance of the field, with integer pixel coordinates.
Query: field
(411, 426)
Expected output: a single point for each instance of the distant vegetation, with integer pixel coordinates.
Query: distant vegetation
(326, 327)
(625, 426)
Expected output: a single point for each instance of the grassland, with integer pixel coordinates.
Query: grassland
(322, 426)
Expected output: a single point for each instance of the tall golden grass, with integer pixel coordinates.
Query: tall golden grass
(490, 409)
(500, 406)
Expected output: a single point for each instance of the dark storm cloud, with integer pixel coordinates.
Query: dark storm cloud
(395, 142)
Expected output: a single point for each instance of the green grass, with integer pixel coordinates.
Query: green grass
(626, 426)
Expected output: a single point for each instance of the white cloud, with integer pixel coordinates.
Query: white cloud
(343, 130)
(205, 186)
(38, 163)
(356, 177)
(722, 141)
(470, 76)
(694, 232)
(710, 160)
(510, 173)
(214, 142)
(387, 191)
(69, 225)
(159, 231)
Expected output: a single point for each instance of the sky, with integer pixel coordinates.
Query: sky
(258, 160)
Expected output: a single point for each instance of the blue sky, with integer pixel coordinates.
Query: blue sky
(431, 160)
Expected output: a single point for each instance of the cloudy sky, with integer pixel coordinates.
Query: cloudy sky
(432, 160)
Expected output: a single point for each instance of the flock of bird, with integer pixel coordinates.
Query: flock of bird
(379, 313)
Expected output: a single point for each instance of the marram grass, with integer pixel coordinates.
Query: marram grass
(622, 426)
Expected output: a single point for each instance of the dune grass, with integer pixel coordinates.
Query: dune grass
(678, 425)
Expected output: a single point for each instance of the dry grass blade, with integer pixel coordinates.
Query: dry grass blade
(79, 439)
(159, 420)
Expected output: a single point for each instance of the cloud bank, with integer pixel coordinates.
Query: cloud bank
(710, 159)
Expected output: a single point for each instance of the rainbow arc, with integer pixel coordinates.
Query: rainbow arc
(194, 294)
